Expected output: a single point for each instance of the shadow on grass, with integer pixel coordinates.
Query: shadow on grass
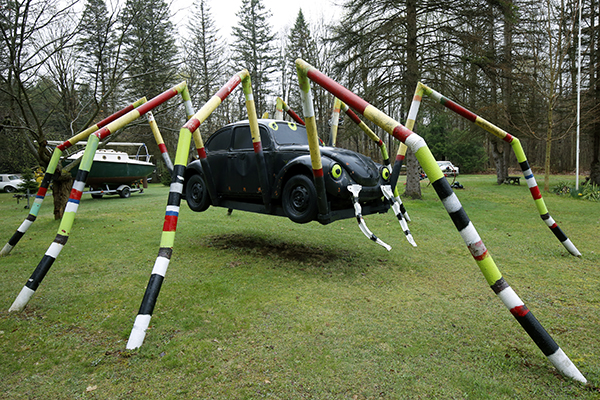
(292, 255)
(288, 251)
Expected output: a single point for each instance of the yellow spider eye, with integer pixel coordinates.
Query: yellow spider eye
(336, 171)
(385, 173)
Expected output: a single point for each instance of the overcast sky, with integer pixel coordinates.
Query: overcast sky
(284, 12)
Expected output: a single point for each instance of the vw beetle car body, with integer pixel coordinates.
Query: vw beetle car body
(232, 172)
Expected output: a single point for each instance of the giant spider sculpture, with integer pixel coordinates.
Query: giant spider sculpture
(347, 100)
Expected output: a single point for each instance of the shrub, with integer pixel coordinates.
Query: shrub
(588, 191)
(29, 182)
(463, 147)
(561, 188)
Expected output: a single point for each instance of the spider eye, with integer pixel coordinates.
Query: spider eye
(336, 171)
(385, 173)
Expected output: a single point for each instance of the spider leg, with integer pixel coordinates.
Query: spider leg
(387, 192)
(355, 190)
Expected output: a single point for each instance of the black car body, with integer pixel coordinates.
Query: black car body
(230, 176)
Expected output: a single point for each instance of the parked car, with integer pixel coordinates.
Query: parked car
(10, 182)
(448, 168)
(234, 173)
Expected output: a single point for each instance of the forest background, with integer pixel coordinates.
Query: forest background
(66, 65)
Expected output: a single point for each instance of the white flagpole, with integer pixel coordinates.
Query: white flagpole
(578, 101)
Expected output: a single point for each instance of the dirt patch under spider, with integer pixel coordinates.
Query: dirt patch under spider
(290, 251)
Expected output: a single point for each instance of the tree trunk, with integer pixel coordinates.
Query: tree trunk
(508, 13)
(413, 187)
(595, 166)
(595, 173)
(548, 149)
(61, 188)
(499, 150)
(595, 89)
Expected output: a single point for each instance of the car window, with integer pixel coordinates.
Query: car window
(219, 140)
(242, 138)
(288, 133)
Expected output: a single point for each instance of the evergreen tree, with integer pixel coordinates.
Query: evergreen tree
(149, 38)
(253, 49)
(97, 44)
(300, 45)
(29, 182)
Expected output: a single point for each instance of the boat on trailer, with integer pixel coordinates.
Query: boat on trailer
(116, 172)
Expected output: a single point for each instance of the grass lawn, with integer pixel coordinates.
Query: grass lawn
(259, 307)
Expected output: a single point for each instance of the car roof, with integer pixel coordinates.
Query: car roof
(262, 121)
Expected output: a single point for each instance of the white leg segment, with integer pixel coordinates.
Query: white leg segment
(387, 192)
(355, 190)
(6, 249)
(562, 363)
(138, 333)
(406, 217)
(571, 247)
(22, 299)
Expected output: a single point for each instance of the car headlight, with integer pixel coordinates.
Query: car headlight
(336, 171)
(385, 173)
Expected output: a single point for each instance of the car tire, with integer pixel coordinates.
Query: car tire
(299, 199)
(125, 192)
(9, 189)
(196, 193)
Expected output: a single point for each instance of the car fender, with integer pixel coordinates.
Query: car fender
(193, 168)
(296, 166)
(299, 165)
(302, 165)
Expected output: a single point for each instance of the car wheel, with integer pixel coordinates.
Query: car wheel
(299, 199)
(125, 192)
(196, 193)
(9, 189)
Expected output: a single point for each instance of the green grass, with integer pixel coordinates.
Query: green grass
(259, 307)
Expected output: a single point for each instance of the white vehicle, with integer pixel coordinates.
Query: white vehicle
(448, 168)
(10, 182)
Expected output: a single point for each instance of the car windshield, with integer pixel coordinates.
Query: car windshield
(288, 133)
(13, 177)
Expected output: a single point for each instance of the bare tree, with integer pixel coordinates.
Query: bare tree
(551, 47)
(28, 31)
(593, 92)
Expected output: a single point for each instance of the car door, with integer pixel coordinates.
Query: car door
(217, 150)
(243, 179)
